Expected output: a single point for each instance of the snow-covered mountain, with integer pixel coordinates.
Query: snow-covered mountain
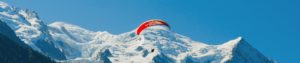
(13, 50)
(65, 42)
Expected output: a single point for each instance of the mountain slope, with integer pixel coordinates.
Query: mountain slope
(242, 52)
(168, 46)
(30, 29)
(13, 50)
(65, 42)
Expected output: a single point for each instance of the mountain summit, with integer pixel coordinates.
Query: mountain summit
(65, 42)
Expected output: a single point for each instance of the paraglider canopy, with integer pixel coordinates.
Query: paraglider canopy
(150, 23)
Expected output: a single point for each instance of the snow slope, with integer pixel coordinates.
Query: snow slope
(30, 29)
(65, 42)
(13, 50)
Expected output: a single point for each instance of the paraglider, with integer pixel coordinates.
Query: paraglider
(150, 23)
(144, 26)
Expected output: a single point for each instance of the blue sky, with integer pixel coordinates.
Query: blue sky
(271, 26)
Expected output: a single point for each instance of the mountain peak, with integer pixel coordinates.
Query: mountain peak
(151, 42)
(233, 43)
(242, 52)
(68, 27)
(62, 24)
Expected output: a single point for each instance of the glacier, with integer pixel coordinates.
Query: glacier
(69, 43)
(13, 50)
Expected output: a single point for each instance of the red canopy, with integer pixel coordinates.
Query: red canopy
(150, 23)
